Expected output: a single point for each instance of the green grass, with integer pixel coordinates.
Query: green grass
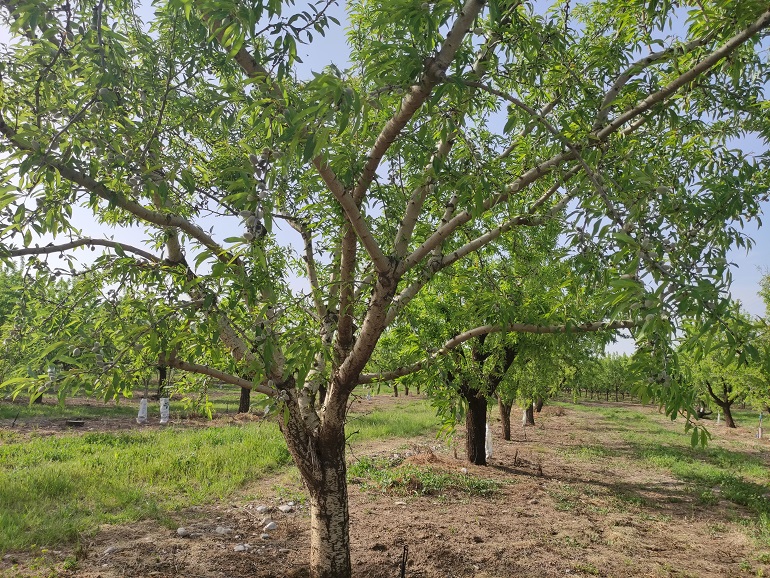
(53, 489)
(405, 419)
(409, 479)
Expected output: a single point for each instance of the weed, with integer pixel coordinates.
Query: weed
(391, 475)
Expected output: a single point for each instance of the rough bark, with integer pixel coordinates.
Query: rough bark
(476, 427)
(244, 403)
(329, 518)
(505, 417)
(539, 404)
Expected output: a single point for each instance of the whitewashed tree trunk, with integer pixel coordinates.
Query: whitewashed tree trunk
(329, 520)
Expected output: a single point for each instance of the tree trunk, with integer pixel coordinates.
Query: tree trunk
(395, 390)
(729, 421)
(417, 387)
(406, 389)
(162, 375)
(616, 393)
(476, 429)
(529, 415)
(723, 402)
(320, 458)
(505, 417)
(539, 404)
(329, 520)
(244, 404)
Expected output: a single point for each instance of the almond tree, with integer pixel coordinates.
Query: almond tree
(193, 142)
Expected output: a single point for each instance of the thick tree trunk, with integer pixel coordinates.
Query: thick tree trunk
(539, 404)
(329, 519)
(406, 389)
(476, 429)
(505, 417)
(320, 458)
(529, 415)
(244, 404)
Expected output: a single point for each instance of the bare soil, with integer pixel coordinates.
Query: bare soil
(558, 512)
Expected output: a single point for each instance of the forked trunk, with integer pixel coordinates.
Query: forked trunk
(244, 404)
(476, 429)
(505, 417)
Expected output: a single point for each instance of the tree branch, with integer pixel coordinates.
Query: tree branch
(86, 242)
(220, 375)
(639, 66)
(707, 63)
(100, 190)
(354, 216)
(434, 73)
(486, 330)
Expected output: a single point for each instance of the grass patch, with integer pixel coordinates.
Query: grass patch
(52, 489)
(408, 479)
(405, 419)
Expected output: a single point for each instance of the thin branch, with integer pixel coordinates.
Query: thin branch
(704, 65)
(486, 330)
(48, 249)
(637, 67)
(310, 265)
(416, 201)
(435, 72)
(220, 375)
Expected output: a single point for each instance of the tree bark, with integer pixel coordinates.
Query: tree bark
(476, 428)
(244, 404)
(505, 417)
(539, 404)
(529, 415)
(329, 520)
(395, 390)
(320, 458)
(406, 389)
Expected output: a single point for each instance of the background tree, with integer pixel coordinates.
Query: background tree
(458, 124)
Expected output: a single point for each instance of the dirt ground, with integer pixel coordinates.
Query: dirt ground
(557, 513)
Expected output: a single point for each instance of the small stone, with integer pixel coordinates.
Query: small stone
(463, 470)
(270, 526)
(112, 550)
(183, 532)
(265, 536)
(222, 530)
(292, 504)
(262, 509)
(242, 548)
(285, 508)
(284, 550)
(400, 503)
